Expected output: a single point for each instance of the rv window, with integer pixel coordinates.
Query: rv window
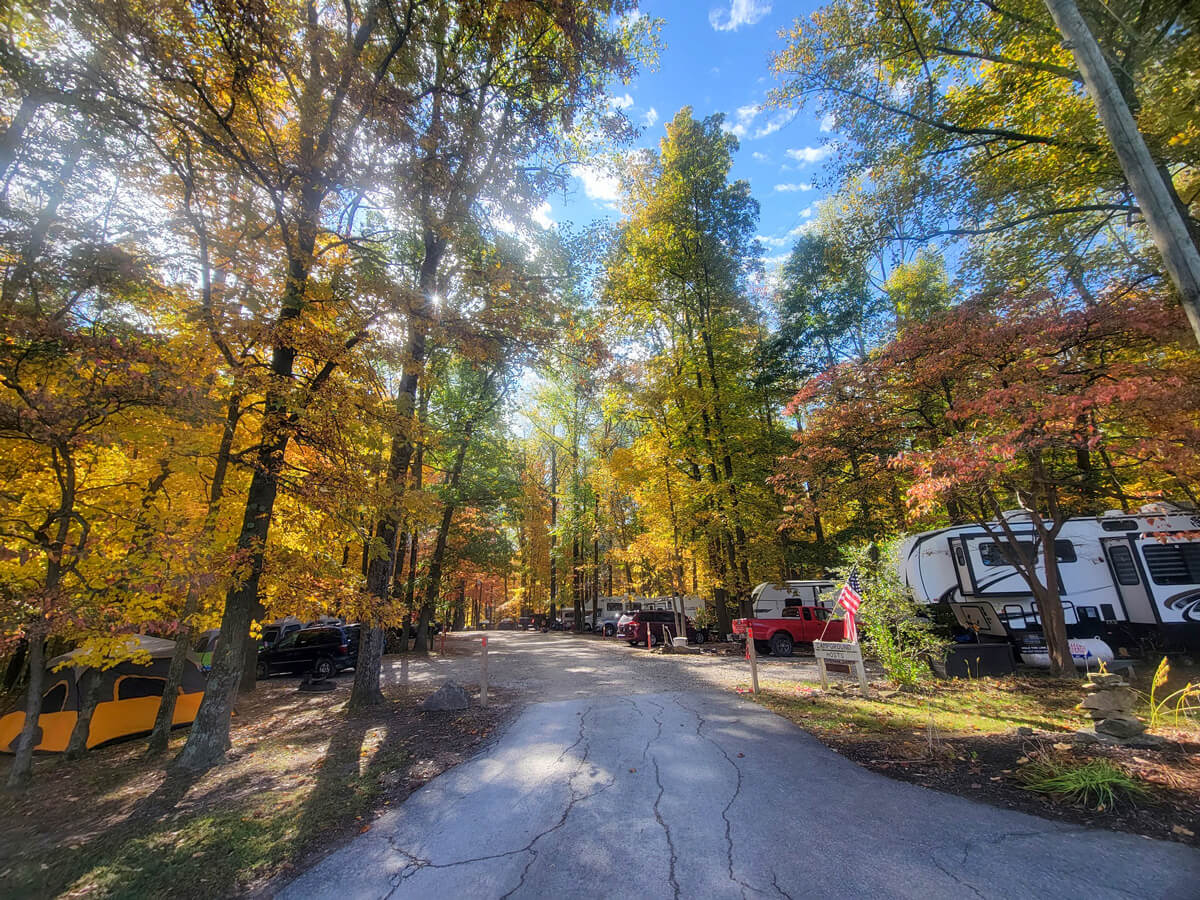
(1173, 563)
(1106, 610)
(1123, 566)
(1087, 612)
(1064, 551)
(958, 555)
(53, 699)
(994, 554)
(132, 686)
(1118, 525)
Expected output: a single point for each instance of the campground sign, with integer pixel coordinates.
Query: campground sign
(839, 657)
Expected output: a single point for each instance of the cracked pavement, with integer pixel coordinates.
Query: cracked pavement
(662, 791)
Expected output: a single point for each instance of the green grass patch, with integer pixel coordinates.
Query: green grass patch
(1098, 784)
(962, 707)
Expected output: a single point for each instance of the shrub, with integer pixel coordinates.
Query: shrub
(892, 629)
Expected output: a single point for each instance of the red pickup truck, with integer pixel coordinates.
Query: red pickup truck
(798, 625)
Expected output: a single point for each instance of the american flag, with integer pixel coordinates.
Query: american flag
(849, 598)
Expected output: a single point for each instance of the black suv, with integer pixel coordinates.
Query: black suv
(322, 651)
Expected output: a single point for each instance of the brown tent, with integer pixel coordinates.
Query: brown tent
(129, 698)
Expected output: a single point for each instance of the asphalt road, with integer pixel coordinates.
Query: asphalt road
(655, 784)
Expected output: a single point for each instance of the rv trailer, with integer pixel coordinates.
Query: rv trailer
(1129, 580)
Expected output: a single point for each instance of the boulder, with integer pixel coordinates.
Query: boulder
(1121, 726)
(1108, 679)
(449, 696)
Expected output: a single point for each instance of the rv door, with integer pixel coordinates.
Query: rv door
(1130, 585)
(962, 566)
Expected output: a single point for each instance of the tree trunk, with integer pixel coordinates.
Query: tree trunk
(164, 719)
(89, 698)
(1168, 229)
(22, 767)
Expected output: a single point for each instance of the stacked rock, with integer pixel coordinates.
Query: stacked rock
(1110, 702)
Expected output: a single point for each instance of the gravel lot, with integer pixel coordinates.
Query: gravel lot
(568, 666)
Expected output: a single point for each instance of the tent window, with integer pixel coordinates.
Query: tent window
(53, 699)
(132, 686)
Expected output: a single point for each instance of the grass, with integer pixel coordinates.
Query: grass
(1097, 784)
(960, 707)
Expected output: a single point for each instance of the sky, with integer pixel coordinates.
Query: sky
(715, 57)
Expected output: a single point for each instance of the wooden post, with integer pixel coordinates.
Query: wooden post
(483, 698)
(752, 652)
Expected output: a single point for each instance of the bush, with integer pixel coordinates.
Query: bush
(892, 629)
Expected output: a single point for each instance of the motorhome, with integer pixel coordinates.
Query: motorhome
(1131, 581)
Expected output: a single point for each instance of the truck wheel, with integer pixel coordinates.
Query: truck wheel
(701, 637)
(263, 670)
(762, 647)
(781, 644)
(610, 630)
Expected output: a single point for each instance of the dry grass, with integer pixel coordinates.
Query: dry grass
(303, 775)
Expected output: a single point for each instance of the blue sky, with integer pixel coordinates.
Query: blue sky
(715, 58)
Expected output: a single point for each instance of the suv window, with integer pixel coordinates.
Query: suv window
(311, 636)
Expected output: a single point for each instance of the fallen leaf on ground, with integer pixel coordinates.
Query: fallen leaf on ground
(1063, 747)
(1183, 832)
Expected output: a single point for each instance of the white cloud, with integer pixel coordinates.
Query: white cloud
(740, 12)
(759, 157)
(622, 102)
(599, 185)
(791, 188)
(776, 122)
(541, 215)
(650, 118)
(808, 155)
(744, 117)
(828, 122)
(772, 241)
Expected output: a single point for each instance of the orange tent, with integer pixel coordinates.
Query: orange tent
(130, 694)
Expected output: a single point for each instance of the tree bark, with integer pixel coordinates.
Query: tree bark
(1168, 229)
(89, 698)
(22, 767)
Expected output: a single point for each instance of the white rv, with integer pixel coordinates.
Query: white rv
(1132, 580)
(770, 599)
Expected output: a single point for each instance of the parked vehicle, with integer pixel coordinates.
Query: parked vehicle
(324, 651)
(507, 625)
(770, 599)
(657, 621)
(795, 625)
(274, 631)
(611, 610)
(1127, 581)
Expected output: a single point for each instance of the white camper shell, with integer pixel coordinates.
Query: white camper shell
(1132, 580)
(769, 600)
